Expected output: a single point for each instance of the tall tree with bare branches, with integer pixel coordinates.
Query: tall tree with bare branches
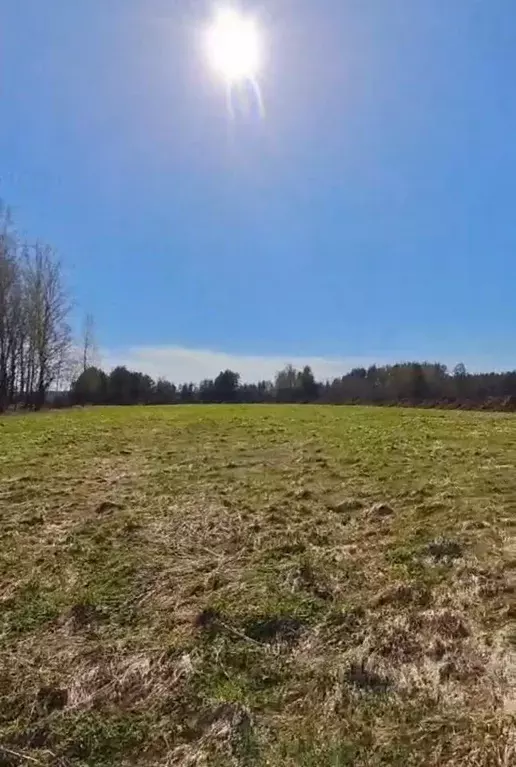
(89, 344)
(34, 333)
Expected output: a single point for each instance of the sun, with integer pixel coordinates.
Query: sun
(233, 45)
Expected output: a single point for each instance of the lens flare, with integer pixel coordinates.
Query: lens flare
(234, 50)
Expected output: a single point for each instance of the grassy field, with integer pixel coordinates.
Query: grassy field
(284, 585)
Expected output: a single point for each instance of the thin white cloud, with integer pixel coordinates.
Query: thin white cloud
(180, 364)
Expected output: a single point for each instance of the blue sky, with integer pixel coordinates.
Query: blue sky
(369, 215)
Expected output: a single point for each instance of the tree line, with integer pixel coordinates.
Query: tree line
(408, 383)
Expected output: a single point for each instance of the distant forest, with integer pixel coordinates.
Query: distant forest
(410, 383)
(41, 363)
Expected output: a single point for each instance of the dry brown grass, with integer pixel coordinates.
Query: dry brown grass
(258, 586)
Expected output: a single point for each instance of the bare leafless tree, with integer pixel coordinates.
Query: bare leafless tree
(34, 334)
(48, 309)
(89, 345)
(10, 300)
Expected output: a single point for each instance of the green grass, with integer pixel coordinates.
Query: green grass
(283, 585)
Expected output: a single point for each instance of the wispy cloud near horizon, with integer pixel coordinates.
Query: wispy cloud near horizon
(180, 364)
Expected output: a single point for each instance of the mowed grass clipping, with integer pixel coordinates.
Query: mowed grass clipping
(258, 585)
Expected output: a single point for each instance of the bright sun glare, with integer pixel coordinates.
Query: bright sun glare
(233, 45)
